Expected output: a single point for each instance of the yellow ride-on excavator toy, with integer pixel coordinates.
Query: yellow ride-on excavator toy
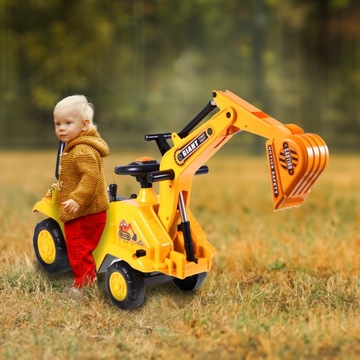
(153, 238)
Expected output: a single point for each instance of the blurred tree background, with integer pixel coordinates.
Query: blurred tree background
(150, 65)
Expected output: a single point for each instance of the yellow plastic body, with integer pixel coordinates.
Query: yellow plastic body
(132, 226)
(48, 205)
(163, 253)
(144, 231)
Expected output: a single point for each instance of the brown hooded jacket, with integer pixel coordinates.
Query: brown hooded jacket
(81, 175)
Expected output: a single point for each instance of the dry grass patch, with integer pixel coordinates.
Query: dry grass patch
(283, 285)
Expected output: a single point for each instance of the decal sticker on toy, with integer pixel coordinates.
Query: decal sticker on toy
(183, 154)
(274, 181)
(126, 232)
(288, 158)
(50, 191)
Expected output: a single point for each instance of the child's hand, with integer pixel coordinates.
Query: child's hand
(71, 206)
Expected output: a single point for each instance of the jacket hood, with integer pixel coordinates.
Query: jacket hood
(91, 138)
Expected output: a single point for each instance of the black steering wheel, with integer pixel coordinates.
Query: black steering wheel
(139, 169)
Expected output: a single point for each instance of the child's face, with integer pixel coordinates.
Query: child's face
(69, 124)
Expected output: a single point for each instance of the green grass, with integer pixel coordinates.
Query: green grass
(283, 285)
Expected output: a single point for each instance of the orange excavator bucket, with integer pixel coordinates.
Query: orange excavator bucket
(295, 163)
(296, 159)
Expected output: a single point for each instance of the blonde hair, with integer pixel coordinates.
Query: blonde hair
(80, 104)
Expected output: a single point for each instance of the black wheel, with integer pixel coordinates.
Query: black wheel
(50, 247)
(191, 282)
(125, 286)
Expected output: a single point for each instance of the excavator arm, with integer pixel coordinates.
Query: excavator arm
(296, 159)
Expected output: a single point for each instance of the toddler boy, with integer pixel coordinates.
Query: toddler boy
(82, 196)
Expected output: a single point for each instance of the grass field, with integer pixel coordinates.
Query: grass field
(284, 285)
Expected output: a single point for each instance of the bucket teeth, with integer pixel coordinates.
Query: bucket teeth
(295, 163)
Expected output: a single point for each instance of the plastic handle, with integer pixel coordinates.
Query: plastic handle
(156, 176)
(150, 137)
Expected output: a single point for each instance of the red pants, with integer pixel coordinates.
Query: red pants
(82, 236)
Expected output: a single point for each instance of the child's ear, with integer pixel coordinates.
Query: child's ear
(86, 124)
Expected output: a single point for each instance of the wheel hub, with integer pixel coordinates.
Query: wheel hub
(117, 286)
(46, 247)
